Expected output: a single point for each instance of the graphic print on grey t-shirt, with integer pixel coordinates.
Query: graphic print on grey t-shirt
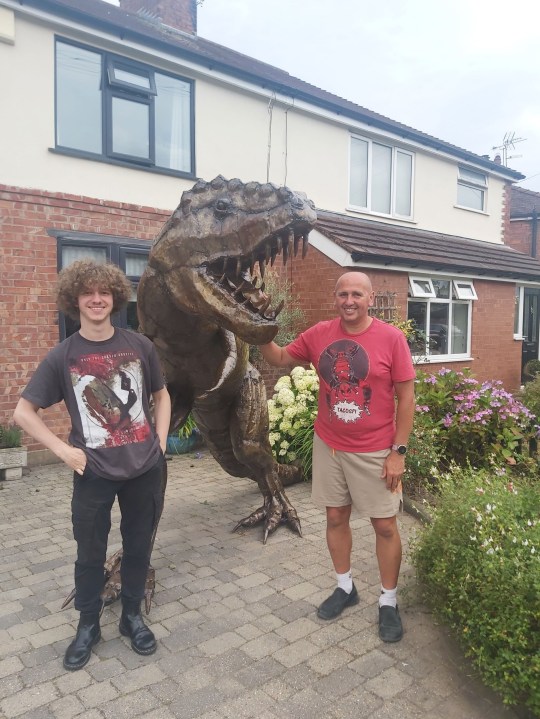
(108, 391)
(344, 367)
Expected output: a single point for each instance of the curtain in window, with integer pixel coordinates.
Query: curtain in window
(70, 254)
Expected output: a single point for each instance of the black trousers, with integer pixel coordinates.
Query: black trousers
(140, 500)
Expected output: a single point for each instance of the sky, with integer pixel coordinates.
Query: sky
(465, 72)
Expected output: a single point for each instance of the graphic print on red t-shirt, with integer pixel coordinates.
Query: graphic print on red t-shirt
(343, 369)
(108, 389)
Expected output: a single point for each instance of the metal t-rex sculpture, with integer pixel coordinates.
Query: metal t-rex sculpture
(201, 302)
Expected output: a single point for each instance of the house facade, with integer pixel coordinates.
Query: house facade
(521, 233)
(114, 111)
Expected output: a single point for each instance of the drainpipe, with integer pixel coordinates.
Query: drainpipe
(534, 232)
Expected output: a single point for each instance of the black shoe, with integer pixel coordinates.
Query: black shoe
(88, 634)
(390, 627)
(132, 625)
(336, 603)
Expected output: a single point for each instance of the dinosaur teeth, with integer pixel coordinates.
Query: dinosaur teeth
(267, 252)
(279, 244)
(273, 257)
(262, 268)
(279, 308)
(296, 244)
(285, 251)
(305, 241)
(265, 306)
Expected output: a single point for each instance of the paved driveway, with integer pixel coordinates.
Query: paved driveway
(236, 623)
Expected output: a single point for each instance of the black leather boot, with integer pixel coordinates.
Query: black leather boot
(88, 634)
(132, 625)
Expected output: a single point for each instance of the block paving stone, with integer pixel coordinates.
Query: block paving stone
(238, 634)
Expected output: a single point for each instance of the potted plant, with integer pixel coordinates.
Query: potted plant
(186, 439)
(13, 456)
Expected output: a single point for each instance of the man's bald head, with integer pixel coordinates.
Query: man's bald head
(355, 278)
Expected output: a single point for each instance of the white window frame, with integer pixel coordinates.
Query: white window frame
(415, 285)
(464, 290)
(393, 190)
(428, 298)
(518, 310)
(475, 180)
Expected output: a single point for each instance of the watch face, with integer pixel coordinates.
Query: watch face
(402, 449)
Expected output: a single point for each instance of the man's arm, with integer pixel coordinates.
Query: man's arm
(405, 411)
(277, 356)
(394, 465)
(27, 417)
(162, 415)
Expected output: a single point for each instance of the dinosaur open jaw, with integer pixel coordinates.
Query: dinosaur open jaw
(238, 276)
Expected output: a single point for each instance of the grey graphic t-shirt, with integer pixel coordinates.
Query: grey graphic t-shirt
(106, 387)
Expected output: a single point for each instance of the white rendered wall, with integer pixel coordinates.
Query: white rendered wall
(239, 132)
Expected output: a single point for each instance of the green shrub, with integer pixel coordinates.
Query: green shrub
(423, 456)
(187, 428)
(10, 436)
(481, 424)
(479, 564)
(291, 320)
(530, 396)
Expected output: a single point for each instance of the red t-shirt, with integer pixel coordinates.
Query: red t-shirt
(357, 373)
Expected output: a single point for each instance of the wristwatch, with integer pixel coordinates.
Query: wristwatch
(400, 448)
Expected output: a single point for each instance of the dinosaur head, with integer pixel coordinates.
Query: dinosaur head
(213, 251)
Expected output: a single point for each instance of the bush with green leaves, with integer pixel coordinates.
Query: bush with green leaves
(530, 395)
(481, 424)
(291, 413)
(479, 565)
(291, 320)
(10, 436)
(423, 456)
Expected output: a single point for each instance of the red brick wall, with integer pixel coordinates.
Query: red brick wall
(519, 235)
(28, 270)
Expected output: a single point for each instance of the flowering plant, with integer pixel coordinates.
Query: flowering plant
(481, 423)
(291, 413)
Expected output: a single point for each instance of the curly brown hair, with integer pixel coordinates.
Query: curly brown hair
(83, 275)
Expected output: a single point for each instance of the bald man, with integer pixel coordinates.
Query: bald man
(365, 415)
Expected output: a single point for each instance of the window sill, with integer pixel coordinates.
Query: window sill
(437, 359)
(121, 163)
(367, 213)
(471, 209)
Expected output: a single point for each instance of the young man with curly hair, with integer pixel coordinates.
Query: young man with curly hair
(361, 434)
(106, 376)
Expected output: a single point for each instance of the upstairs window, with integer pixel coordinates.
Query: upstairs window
(381, 178)
(471, 189)
(121, 111)
(441, 310)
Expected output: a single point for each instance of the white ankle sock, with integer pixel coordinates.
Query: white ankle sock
(344, 581)
(388, 597)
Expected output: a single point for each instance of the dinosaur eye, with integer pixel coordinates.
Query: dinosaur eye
(222, 207)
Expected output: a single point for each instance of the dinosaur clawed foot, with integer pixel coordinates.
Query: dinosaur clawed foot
(276, 510)
(112, 586)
